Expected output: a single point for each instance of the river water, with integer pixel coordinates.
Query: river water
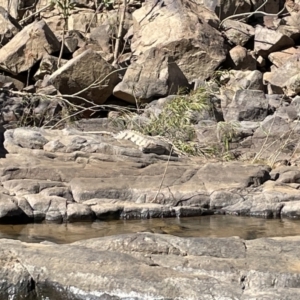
(204, 226)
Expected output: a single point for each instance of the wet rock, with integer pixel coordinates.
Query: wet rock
(77, 212)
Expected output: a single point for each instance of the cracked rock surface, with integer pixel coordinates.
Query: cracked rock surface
(152, 266)
(68, 175)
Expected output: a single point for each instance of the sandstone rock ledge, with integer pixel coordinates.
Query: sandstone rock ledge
(68, 175)
(151, 266)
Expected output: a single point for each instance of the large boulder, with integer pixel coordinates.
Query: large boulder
(28, 47)
(154, 74)
(183, 28)
(267, 41)
(88, 75)
(286, 76)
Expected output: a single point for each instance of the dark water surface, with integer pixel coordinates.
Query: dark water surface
(205, 226)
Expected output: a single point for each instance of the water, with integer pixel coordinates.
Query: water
(205, 226)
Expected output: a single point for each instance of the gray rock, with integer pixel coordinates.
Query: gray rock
(247, 105)
(156, 267)
(237, 32)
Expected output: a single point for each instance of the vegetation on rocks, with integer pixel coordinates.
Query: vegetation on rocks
(84, 59)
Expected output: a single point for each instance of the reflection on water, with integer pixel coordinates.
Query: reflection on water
(205, 226)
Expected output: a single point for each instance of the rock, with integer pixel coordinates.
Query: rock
(77, 212)
(286, 174)
(233, 7)
(206, 133)
(162, 266)
(156, 71)
(19, 85)
(247, 105)
(283, 77)
(237, 32)
(292, 86)
(271, 7)
(105, 34)
(267, 201)
(9, 26)
(275, 139)
(75, 77)
(27, 48)
(90, 176)
(11, 7)
(82, 19)
(268, 41)
(15, 278)
(48, 65)
(243, 80)
(9, 210)
(26, 139)
(281, 57)
(291, 210)
(242, 59)
(290, 31)
(196, 47)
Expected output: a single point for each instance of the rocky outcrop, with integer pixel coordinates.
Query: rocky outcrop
(30, 45)
(54, 175)
(189, 35)
(156, 266)
(100, 77)
(153, 75)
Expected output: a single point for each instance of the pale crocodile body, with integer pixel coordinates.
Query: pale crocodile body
(147, 144)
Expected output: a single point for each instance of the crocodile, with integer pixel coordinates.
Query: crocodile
(147, 144)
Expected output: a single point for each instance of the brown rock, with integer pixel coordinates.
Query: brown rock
(28, 47)
(279, 58)
(268, 41)
(242, 59)
(82, 71)
(154, 74)
(283, 77)
(237, 32)
(182, 28)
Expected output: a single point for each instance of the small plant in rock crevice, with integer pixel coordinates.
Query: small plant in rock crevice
(65, 7)
(175, 121)
(226, 132)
